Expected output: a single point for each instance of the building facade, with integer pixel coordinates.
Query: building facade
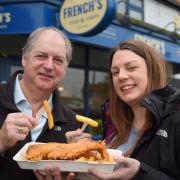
(85, 87)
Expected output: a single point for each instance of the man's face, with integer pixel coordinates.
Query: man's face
(46, 64)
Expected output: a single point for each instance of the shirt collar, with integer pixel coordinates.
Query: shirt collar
(19, 95)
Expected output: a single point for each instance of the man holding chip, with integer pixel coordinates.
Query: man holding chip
(23, 113)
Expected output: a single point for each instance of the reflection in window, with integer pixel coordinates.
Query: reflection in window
(137, 3)
(98, 84)
(121, 7)
(133, 8)
(135, 14)
(136, 9)
(99, 58)
(71, 89)
(14, 69)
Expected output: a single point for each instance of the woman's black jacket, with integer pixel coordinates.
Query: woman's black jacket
(159, 148)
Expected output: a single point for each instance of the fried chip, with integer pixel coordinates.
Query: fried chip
(49, 113)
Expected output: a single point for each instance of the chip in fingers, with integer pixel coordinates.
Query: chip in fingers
(49, 113)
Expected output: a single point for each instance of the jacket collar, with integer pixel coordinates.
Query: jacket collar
(7, 93)
(57, 110)
(162, 102)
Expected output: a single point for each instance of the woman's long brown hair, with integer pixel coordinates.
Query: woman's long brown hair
(159, 72)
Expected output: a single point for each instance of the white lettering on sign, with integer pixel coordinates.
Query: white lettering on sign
(82, 8)
(5, 17)
(82, 16)
(158, 45)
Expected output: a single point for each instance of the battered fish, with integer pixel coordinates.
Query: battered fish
(59, 151)
(37, 152)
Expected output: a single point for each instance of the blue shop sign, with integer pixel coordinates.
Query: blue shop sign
(87, 18)
(24, 18)
(115, 34)
(57, 2)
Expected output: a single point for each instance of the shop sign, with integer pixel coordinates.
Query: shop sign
(157, 44)
(87, 17)
(24, 18)
(5, 18)
(113, 35)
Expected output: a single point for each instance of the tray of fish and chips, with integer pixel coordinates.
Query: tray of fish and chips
(72, 157)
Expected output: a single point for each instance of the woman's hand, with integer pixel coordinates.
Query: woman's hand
(78, 135)
(53, 174)
(128, 167)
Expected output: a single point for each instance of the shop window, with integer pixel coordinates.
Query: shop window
(136, 9)
(71, 89)
(137, 3)
(98, 84)
(132, 8)
(78, 56)
(121, 7)
(7, 67)
(99, 59)
(13, 69)
(98, 91)
(135, 15)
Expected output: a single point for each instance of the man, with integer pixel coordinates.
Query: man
(45, 59)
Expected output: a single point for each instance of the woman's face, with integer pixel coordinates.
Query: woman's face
(129, 75)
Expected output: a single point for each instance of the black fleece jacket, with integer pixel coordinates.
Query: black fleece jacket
(159, 148)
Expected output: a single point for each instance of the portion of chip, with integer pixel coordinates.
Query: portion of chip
(50, 117)
(87, 120)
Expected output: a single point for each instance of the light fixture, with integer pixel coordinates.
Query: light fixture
(61, 88)
(173, 35)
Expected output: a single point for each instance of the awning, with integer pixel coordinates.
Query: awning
(115, 34)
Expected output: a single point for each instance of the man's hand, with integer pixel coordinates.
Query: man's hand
(78, 135)
(15, 128)
(53, 174)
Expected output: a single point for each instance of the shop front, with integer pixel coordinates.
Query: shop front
(85, 87)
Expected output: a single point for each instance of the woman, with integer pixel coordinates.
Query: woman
(146, 114)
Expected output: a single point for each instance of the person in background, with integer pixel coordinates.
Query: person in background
(109, 129)
(45, 59)
(146, 113)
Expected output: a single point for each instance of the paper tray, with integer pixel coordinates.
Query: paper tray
(64, 165)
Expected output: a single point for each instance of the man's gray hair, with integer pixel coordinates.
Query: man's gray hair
(35, 34)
